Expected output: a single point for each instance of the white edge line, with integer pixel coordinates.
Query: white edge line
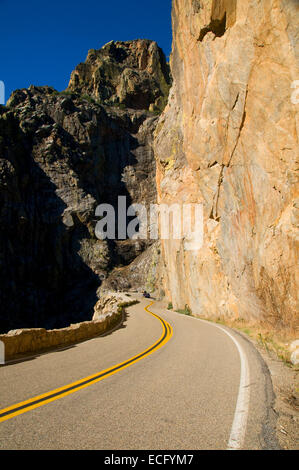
(238, 429)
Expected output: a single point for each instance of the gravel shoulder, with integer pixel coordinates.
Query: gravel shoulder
(285, 380)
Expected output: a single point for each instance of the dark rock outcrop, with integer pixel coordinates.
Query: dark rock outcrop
(61, 155)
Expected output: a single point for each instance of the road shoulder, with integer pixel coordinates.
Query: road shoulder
(286, 399)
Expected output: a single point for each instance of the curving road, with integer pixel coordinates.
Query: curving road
(161, 381)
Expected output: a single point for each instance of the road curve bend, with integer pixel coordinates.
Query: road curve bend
(161, 381)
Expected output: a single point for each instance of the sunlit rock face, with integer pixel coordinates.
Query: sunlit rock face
(229, 139)
(130, 74)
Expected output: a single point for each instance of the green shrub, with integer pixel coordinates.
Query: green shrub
(186, 311)
(88, 98)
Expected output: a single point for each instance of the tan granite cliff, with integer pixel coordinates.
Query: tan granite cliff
(229, 139)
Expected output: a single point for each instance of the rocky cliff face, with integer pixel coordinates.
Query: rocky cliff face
(131, 74)
(229, 139)
(61, 155)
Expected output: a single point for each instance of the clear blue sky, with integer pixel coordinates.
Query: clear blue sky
(42, 42)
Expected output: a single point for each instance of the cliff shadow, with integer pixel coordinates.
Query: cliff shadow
(44, 281)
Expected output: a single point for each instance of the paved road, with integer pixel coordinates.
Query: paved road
(184, 395)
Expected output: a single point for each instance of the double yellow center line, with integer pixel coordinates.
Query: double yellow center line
(35, 402)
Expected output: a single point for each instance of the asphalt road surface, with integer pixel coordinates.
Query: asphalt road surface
(169, 382)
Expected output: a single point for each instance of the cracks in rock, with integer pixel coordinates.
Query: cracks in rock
(236, 101)
(214, 211)
(276, 189)
(211, 165)
(238, 138)
(241, 126)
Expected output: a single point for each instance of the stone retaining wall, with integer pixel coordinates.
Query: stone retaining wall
(26, 341)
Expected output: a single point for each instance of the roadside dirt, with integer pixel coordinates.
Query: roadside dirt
(285, 380)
